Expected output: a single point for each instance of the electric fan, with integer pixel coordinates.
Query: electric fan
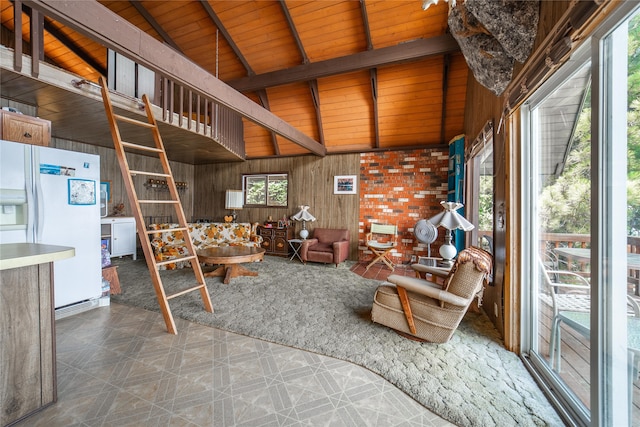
(426, 233)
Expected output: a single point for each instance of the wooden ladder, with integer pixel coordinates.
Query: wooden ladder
(143, 233)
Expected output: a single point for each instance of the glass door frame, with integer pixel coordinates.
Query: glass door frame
(608, 362)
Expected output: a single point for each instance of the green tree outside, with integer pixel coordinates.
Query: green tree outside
(566, 202)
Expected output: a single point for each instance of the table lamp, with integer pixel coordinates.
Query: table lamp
(450, 219)
(303, 216)
(233, 201)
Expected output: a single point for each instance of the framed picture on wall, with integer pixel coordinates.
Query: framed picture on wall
(345, 184)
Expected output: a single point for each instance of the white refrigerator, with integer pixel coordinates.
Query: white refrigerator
(51, 196)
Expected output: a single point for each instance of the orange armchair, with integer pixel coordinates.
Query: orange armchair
(326, 245)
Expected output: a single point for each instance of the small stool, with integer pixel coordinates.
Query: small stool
(110, 274)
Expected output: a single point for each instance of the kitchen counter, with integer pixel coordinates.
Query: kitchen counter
(15, 255)
(27, 328)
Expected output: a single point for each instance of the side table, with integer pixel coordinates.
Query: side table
(295, 245)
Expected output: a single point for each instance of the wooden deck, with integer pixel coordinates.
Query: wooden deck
(575, 360)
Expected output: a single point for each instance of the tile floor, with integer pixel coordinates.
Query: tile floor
(380, 271)
(117, 366)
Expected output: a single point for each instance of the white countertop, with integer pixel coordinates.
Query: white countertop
(15, 255)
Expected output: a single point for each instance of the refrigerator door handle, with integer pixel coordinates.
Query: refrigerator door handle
(31, 200)
(39, 196)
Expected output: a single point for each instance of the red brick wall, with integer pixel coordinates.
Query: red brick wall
(402, 187)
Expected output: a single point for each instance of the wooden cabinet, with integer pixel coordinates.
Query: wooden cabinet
(275, 240)
(120, 232)
(26, 129)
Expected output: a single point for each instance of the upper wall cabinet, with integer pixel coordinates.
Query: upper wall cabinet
(26, 129)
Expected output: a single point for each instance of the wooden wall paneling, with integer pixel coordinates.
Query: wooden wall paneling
(255, 135)
(337, 23)
(409, 116)
(310, 183)
(294, 104)
(481, 106)
(347, 111)
(381, 13)
(110, 171)
(260, 43)
(456, 96)
(254, 140)
(30, 110)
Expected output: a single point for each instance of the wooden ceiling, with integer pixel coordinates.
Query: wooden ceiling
(345, 73)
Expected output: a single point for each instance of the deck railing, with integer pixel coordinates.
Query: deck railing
(549, 241)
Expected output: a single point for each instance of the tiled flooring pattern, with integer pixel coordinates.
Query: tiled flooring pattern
(380, 271)
(117, 366)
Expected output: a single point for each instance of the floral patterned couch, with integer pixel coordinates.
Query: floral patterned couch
(167, 246)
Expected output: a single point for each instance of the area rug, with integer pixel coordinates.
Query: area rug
(471, 380)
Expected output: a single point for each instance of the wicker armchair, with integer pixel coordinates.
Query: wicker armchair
(427, 311)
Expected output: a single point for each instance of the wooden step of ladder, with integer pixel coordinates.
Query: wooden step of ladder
(127, 174)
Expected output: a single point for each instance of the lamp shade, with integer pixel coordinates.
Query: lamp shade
(303, 215)
(233, 199)
(450, 218)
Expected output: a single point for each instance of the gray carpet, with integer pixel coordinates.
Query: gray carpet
(471, 380)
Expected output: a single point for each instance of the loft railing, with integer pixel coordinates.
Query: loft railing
(182, 106)
(200, 114)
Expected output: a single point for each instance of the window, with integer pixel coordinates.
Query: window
(580, 170)
(266, 189)
(480, 188)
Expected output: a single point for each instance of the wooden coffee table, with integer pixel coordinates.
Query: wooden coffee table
(229, 257)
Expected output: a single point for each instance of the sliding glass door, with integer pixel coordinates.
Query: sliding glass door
(581, 200)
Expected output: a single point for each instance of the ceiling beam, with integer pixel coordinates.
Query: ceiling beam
(73, 47)
(157, 27)
(99, 23)
(365, 22)
(294, 32)
(264, 101)
(373, 75)
(313, 84)
(315, 96)
(405, 52)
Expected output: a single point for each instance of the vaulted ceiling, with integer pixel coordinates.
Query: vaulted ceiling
(353, 75)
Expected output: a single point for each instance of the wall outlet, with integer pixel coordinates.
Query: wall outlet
(413, 258)
(495, 308)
